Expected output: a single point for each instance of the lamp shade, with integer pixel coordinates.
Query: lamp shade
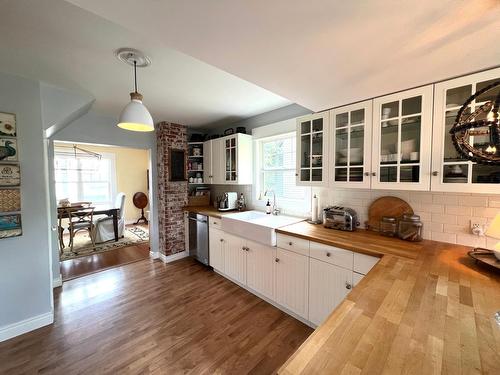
(135, 116)
(494, 228)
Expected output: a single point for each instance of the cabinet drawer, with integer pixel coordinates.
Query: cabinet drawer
(214, 222)
(364, 263)
(295, 244)
(332, 255)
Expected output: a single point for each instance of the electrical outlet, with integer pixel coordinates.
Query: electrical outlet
(476, 228)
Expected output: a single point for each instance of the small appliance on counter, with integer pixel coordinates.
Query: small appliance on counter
(341, 218)
(228, 202)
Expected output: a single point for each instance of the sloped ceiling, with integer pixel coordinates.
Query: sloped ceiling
(322, 53)
(69, 47)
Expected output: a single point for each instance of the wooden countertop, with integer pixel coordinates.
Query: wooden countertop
(208, 210)
(424, 308)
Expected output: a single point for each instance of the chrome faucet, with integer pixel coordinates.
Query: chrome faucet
(275, 210)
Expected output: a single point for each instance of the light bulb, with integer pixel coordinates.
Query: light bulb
(491, 149)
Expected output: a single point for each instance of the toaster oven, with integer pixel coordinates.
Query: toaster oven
(341, 218)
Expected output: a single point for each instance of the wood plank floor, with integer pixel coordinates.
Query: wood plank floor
(150, 317)
(77, 267)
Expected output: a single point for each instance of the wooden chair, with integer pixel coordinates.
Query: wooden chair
(81, 219)
(60, 228)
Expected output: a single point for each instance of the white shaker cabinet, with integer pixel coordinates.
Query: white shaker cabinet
(212, 159)
(328, 286)
(260, 268)
(292, 281)
(402, 131)
(350, 145)
(451, 171)
(217, 245)
(312, 150)
(235, 258)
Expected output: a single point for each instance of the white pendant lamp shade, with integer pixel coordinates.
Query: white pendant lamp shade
(135, 116)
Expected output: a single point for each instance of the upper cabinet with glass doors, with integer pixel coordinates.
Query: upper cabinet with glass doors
(237, 157)
(312, 149)
(350, 145)
(451, 171)
(402, 130)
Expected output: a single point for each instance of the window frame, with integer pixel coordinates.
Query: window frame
(112, 191)
(300, 207)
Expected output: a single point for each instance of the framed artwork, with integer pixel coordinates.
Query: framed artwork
(10, 226)
(10, 175)
(10, 200)
(8, 124)
(8, 149)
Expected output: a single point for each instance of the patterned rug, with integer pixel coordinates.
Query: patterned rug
(83, 246)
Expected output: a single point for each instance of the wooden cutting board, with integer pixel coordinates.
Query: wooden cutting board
(386, 206)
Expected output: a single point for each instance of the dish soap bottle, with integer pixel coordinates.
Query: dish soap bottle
(268, 207)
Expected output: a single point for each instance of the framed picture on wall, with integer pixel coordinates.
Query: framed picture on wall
(8, 124)
(10, 226)
(10, 175)
(10, 200)
(8, 149)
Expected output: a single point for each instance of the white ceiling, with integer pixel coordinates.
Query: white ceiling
(57, 42)
(322, 53)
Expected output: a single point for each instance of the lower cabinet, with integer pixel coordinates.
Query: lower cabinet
(235, 257)
(292, 281)
(260, 268)
(216, 246)
(328, 286)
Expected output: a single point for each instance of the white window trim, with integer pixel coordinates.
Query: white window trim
(259, 199)
(113, 189)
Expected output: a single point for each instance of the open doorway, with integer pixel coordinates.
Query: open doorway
(102, 195)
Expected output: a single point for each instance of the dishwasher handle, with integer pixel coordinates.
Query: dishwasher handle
(198, 218)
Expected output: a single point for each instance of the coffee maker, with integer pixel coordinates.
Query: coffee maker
(228, 202)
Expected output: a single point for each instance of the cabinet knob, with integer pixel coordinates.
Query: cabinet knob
(290, 243)
(277, 260)
(328, 254)
(435, 173)
(221, 240)
(366, 173)
(348, 286)
(296, 175)
(374, 174)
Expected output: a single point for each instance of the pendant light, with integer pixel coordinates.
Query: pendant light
(135, 116)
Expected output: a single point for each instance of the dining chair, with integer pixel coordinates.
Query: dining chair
(60, 228)
(81, 219)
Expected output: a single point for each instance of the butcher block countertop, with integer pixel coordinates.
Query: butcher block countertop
(425, 308)
(208, 210)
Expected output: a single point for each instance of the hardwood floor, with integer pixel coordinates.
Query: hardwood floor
(77, 267)
(150, 317)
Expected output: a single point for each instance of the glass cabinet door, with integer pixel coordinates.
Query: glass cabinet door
(451, 170)
(402, 140)
(312, 133)
(351, 139)
(230, 145)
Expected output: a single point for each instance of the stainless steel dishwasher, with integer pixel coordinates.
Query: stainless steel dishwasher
(198, 237)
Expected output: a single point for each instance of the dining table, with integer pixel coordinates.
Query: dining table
(109, 211)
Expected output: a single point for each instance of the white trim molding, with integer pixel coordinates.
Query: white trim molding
(24, 326)
(57, 282)
(171, 258)
(153, 255)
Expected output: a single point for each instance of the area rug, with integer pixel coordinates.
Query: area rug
(83, 246)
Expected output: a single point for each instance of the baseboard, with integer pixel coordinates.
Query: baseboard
(24, 326)
(171, 258)
(57, 282)
(153, 255)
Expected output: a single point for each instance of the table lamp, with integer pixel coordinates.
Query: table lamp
(494, 231)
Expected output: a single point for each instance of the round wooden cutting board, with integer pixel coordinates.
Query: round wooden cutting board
(386, 206)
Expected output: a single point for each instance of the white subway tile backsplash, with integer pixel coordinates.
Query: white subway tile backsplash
(444, 237)
(473, 200)
(432, 208)
(458, 210)
(455, 228)
(489, 212)
(450, 199)
(471, 240)
(444, 219)
(494, 201)
(420, 197)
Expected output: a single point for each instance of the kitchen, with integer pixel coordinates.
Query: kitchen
(388, 289)
(321, 181)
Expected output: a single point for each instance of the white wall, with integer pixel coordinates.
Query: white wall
(100, 129)
(25, 272)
